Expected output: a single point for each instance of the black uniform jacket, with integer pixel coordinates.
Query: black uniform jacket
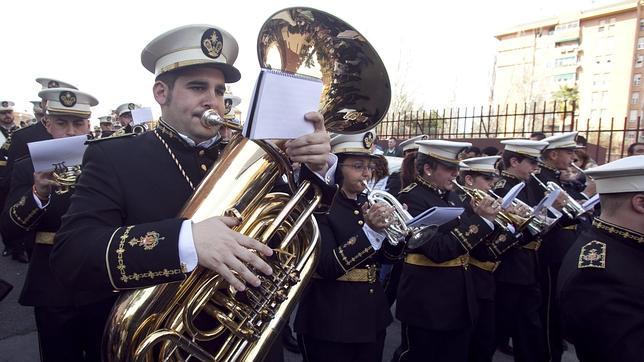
(439, 298)
(601, 293)
(121, 230)
(22, 215)
(487, 252)
(345, 311)
(16, 147)
(518, 264)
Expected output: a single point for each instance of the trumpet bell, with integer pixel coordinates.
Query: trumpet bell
(356, 91)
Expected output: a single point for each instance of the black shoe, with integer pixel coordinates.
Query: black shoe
(21, 258)
(506, 349)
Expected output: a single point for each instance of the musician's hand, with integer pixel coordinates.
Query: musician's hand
(591, 187)
(487, 208)
(379, 216)
(560, 202)
(521, 210)
(312, 149)
(223, 250)
(44, 182)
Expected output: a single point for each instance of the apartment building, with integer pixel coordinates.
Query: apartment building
(598, 51)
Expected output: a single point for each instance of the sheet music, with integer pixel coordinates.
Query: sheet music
(591, 203)
(547, 201)
(142, 115)
(436, 216)
(511, 195)
(279, 103)
(46, 154)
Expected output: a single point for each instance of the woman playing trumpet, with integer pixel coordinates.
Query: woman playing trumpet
(344, 314)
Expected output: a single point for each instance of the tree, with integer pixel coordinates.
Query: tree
(566, 94)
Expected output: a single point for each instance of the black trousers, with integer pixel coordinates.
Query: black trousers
(550, 314)
(436, 346)
(517, 311)
(483, 341)
(72, 333)
(317, 350)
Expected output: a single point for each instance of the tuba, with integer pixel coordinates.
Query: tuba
(202, 317)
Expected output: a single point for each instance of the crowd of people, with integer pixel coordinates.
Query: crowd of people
(504, 269)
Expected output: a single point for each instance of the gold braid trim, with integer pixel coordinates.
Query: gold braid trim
(138, 276)
(619, 230)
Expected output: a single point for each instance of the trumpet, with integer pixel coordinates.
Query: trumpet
(572, 209)
(398, 231)
(538, 224)
(504, 218)
(66, 177)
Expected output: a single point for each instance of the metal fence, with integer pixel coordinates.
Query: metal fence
(608, 139)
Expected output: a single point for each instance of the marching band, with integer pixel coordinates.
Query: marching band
(527, 259)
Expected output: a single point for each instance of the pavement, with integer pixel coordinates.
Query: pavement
(19, 341)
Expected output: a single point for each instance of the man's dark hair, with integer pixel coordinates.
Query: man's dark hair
(490, 151)
(507, 156)
(631, 148)
(538, 135)
(476, 150)
(581, 140)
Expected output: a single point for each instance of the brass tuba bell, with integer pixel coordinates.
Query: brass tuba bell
(202, 317)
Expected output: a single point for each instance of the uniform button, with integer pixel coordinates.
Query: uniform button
(201, 153)
(203, 167)
(360, 222)
(356, 212)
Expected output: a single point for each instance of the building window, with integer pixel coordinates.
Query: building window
(635, 98)
(602, 25)
(612, 23)
(640, 43)
(637, 79)
(565, 61)
(641, 24)
(639, 61)
(566, 77)
(633, 116)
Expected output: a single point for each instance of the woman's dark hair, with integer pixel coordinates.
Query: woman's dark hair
(408, 169)
(382, 167)
(506, 156)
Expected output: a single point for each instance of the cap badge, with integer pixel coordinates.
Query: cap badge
(212, 43)
(67, 99)
(367, 140)
(53, 84)
(131, 106)
(5, 104)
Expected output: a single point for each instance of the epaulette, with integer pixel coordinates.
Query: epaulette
(408, 188)
(96, 140)
(592, 255)
(500, 184)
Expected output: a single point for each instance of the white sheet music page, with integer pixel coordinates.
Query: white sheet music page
(512, 194)
(45, 155)
(279, 103)
(436, 216)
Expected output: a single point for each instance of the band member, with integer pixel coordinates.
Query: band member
(17, 149)
(394, 181)
(479, 174)
(518, 294)
(7, 124)
(556, 158)
(600, 281)
(69, 324)
(107, 128)
(438, 328)
(124, 116)
(122, 229)
(344, 313)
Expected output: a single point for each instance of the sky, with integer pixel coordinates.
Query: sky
(441, 51)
